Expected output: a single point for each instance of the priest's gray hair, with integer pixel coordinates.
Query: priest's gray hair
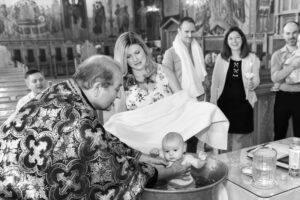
(97, 68)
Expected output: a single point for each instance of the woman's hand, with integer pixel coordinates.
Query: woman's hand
(249, 77)
(251, 85)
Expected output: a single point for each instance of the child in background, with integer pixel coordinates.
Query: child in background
(36, 83)
(174, 148)
(159, 59)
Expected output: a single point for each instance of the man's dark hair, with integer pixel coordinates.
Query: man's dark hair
(226, 51)
(187, 19)
(31, 71)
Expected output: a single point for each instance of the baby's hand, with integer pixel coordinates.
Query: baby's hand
(199, 164)
(202, 155)
(187, 159)
(190, 160)
(154, 152)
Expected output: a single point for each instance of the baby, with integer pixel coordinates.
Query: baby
(174, 148)
(294, 76)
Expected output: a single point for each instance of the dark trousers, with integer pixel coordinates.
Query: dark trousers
(192, 145)
(287, 104)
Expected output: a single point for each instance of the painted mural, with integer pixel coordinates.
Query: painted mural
(23, 19)
(214, 17)
(74, 20)
(101, 19)
(108, 18)
(265, 16)
(78, 19)
(148, 15)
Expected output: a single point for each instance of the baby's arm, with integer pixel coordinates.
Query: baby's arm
(295, 54)
(189, 159)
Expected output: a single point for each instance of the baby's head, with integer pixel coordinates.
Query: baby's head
(173, 146)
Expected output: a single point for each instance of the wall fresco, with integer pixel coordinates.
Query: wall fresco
(27, 19)
(214, 17)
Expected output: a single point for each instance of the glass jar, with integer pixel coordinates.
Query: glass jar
(264, 167)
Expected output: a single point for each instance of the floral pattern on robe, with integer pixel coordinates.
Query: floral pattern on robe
(55, 148)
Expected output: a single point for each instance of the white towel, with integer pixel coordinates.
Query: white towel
(192, 74)
(144, 128)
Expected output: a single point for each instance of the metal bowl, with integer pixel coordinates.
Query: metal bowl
(209, 177)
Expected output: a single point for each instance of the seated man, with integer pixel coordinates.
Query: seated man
(35, 81)
(55, 147)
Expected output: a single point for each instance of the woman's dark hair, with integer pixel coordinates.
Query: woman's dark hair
(226, 51)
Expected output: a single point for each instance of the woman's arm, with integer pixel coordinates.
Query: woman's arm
(256, 67)
(214, 81)
(172, 79)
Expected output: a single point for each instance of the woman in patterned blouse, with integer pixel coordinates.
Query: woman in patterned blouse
(145, 81)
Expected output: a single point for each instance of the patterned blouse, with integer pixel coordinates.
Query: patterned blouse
(137, 97)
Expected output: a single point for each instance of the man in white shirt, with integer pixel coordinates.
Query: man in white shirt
(36, 82)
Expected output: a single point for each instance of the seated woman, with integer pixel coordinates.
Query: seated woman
(145, 81)
(157, 104)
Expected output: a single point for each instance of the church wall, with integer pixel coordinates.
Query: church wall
(39, 30)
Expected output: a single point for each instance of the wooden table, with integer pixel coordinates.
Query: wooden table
(240, 186)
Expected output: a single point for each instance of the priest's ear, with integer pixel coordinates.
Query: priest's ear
(98, 87)
(184, 147)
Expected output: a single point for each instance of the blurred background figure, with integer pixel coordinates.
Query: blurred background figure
(209, 64)
(159, 58)
(142, 13)
(209, 61)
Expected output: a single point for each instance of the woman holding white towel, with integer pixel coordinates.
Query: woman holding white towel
(234, 79)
